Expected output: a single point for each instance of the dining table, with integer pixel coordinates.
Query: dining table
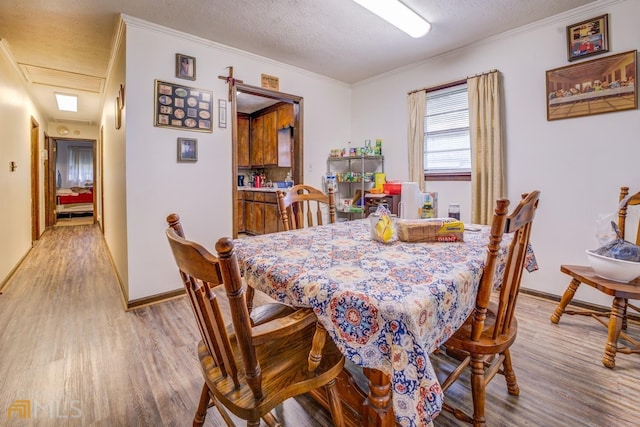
(387, 306)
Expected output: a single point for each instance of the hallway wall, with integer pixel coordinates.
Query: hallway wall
(16, 110)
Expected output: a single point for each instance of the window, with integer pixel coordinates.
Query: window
(447, 149)
(80, 166)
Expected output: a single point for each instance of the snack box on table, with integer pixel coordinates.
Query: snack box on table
(430, 230)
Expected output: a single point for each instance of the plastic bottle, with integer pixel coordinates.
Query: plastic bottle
(454, 211)
(288, 181)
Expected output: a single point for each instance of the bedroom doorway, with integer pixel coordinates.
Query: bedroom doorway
(73, 172)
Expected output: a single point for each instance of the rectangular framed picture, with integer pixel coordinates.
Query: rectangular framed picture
(182, 107)
(187, 150)
(587, 38)
(602, 85)
(185, 67)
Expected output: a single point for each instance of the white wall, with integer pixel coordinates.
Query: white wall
(156, 185)
(578, 164)
(112, 142)
(16, 111)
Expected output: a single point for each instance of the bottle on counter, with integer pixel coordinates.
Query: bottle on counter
(288, 181)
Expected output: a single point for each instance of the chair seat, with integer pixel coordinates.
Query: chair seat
(586, 275)
(486, 344)
(284, 374)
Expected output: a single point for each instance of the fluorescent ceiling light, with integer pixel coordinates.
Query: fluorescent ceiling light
(396, 13)
(67, 102)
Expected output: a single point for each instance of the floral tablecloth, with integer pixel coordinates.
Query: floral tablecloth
(387, 306)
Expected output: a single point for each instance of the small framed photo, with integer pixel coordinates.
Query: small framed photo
(222, 113)
(187, 150)
(185, 67)
(587, 38)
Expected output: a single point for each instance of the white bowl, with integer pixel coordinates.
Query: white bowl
(613, 269)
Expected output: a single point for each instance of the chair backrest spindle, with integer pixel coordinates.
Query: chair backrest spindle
(303, 202)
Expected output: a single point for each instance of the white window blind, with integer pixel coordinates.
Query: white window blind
(447, 146)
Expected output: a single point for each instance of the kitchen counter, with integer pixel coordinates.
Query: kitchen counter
(262, 189)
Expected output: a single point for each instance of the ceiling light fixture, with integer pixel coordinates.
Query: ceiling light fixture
(67, 102)
(398, 14)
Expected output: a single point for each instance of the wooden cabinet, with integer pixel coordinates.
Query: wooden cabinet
(272, 222)
(257, 157)
(269, 139)
(240, 212)
(268, 143)
(261, 212)
(244, 160)
(285, 116)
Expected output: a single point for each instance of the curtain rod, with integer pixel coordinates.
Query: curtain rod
(451, 83)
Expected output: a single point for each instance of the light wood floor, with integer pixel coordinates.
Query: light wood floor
(68, 346)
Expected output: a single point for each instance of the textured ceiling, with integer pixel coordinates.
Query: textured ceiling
(335, 38)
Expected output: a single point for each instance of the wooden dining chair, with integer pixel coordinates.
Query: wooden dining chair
(621, 293)
(268, 308)
(483, 341)
(253, 369)
(302, 204)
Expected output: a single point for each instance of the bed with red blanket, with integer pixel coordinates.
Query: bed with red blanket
(74, 200)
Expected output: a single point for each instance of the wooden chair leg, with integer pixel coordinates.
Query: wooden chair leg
(250, 292)
(565, 300)
(478, 390)
(315, 354)
(510, 375)
(334, 404)
(201, 413)
(271, 420)
(616, 318)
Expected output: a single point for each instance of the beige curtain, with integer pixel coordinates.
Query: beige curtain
(485, 128)
(415, 136)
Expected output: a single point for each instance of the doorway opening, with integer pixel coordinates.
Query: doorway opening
(246, 100)
(73, 168)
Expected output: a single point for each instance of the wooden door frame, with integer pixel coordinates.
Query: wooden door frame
(101, 174)
(34, 135)
(53, 148)
(50, 181)
(297, 167)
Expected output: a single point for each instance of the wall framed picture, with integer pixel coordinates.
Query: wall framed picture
(182, 107)
(185, 67)
(601, 85)
(587, 38)
(187, 150)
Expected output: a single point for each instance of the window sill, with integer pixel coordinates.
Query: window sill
(448, 176)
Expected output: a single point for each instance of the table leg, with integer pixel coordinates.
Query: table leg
(377, 409)
(565, 300)
(618, 309)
